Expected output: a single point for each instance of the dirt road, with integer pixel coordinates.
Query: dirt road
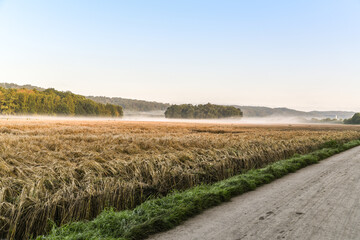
(321, 201)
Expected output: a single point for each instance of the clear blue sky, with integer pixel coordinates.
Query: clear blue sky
(302, 54)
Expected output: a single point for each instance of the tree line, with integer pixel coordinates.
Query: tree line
(202, 111)
(52, 102)
(132, 104)
(126, 104)
(354, 120)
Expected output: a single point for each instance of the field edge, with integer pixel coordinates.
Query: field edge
(161, 214)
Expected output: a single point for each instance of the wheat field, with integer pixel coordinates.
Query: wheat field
(64, 170)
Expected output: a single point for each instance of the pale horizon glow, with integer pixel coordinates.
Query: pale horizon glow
(296, 54)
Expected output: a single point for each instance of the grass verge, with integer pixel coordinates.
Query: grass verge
(161, 214)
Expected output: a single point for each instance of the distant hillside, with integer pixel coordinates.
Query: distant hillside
(132, 104)
(27, 86)
(251, 111)
(51, 102)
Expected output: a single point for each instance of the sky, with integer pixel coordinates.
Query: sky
(302, 54)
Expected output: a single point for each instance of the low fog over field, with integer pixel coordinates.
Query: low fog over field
(145, 117)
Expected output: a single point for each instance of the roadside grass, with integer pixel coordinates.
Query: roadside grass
(164, 213)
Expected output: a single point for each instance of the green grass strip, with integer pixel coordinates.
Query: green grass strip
(164, 213)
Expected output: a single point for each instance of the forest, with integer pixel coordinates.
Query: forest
(52, 102)
(202, 111)
(354, 120)
(126, 104)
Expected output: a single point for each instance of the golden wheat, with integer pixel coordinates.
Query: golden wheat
(72, 170)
